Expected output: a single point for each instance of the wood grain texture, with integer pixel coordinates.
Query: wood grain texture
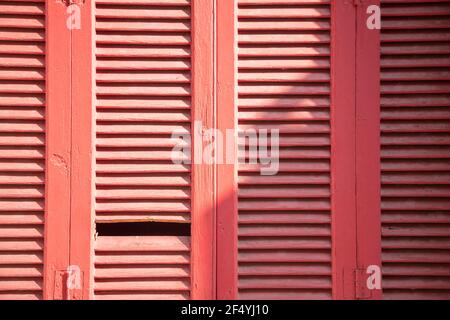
(415, 101)
(284, 220)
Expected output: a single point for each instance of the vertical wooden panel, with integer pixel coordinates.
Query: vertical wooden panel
(203, 204)
(343, 157)
(58, 151)
(226, 24)
(368, 145)
(81, 220)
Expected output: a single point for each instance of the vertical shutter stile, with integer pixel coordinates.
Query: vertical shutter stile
(415, 129)
(22, 148)
(284, 83)
(143, 96)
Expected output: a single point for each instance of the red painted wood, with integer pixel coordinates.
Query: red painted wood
(368, 144)
(202, 183)
(143, 96)
(142, 267)
(136, 112)
(227, 275)
(22, 151)
(82, 202)
(284, 247)
(343, 149)
(415, 156)
(58, 145)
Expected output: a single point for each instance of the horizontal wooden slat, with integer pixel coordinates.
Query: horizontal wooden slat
(143, 12)
(141, 295)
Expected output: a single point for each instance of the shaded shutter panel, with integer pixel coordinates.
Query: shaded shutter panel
(22, 138)
(143, 96)
(284, 83)
(415, 61)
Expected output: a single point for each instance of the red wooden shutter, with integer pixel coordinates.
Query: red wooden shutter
(415, 61)
(22, 139)
(143, 96)
(284, 83)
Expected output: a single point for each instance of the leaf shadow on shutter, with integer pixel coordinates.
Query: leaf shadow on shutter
(284, 220)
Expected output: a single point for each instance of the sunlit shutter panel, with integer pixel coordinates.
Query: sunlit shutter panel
(416, 149)
(284, 83)
(147, 268)
(143, 96)
(22, 139)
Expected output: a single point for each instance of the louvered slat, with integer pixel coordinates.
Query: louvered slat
(148, 268)
(284, 83)
(143, 51)
(415, 68)
(143, 91)
(22, 136)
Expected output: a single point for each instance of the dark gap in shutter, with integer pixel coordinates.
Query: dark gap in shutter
(144, 229)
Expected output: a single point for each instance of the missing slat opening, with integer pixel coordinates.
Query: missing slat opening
(144, 229)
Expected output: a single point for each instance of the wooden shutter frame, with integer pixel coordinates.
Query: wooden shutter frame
(227, 200)
(69, 206)
(70, 219)
(368, 159)
(82, 224)
(343, 166)
(355, 149)
(203, 273)
(58, 153)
